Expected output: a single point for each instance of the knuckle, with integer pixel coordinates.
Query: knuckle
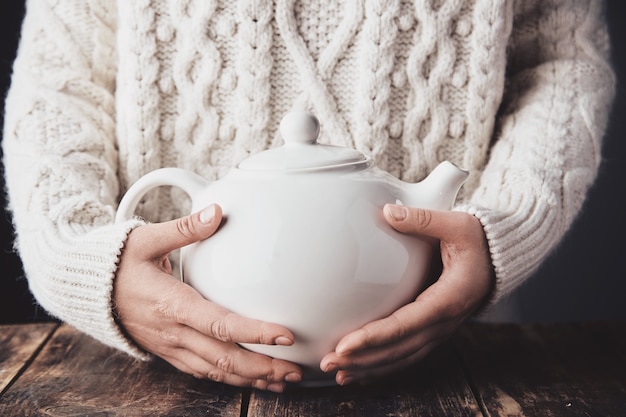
(166, 310)
(265, 334)
(169, 336)
(226, 364)
(219, 329)
(175, 310)
(367, 335)
(185, 227)
(267, 385)
(273, 373)
(215, 374)
(423, 218)
(259, 384)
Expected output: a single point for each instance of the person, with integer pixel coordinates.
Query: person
(516, 92)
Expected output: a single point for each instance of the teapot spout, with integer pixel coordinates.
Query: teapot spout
(439, 189)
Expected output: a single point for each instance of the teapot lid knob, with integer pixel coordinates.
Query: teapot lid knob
(299, 127)
(301, 151)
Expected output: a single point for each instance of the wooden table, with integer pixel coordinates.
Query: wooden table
(485, 370)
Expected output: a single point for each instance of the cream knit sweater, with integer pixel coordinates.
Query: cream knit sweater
(103, 91)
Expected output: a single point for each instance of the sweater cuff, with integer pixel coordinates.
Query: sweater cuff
(516, 252)
(72, 278)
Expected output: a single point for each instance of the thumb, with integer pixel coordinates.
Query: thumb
(437, 224)
(174, 234)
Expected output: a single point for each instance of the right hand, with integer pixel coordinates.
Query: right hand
(170, 319)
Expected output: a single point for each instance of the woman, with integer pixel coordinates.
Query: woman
(518, 93)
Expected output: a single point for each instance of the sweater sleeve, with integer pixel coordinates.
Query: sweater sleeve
(547, 145)
(60, 163)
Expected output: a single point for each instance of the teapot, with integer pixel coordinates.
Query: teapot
(305, 244)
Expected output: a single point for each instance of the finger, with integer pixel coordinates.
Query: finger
(385, 354)
(439, 224)
(364, 375)
(188, 307)
(229, 358)
(438, 304)
(174, 234)
(464, 248)
(388, 330)
(201, 369)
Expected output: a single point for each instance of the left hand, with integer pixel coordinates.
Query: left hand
(410, 333)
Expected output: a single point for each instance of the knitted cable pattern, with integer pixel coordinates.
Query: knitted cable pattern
(429, 67)
(481, 107)
(314, 75)
(255, 36)
(379, 36)
(196, 71)
(139, 112)
(104, 13)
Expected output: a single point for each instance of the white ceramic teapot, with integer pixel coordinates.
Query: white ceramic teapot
(305, 244)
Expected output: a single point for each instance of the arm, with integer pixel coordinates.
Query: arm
(548, 148)
(546, 156)
(60, 162)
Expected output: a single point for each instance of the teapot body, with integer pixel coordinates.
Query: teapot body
(309, 251)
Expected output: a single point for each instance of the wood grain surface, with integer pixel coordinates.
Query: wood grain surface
(18, 345)
(484, 370)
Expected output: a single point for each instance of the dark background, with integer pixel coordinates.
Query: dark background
(584, 279)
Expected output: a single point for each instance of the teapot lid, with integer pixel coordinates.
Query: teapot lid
(301, 150)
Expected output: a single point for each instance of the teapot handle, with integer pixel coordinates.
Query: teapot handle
(188, 181)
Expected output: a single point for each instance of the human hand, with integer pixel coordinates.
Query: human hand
(170, 319)
(410, 333)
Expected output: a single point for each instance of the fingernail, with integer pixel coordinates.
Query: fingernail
(346, 380)
(398, 213)
(276, 387)
(207, 214)
(283, 341)
(293, 377)
(328, 367)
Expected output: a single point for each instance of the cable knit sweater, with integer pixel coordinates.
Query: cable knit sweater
(517, 92)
